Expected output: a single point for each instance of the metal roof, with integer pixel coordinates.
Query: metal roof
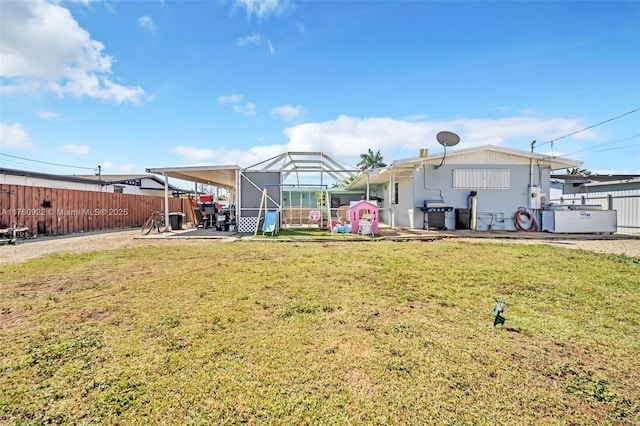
(115, 179)
(287, 163)
(483, 155)
(220, 176)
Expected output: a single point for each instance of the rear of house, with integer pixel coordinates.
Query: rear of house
(488, 184)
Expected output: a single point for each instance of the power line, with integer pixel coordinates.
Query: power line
(614, 148)
(598, 147)
(590, 127)
(45, 162)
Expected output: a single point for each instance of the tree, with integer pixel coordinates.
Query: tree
(576, 171)
(371, 160)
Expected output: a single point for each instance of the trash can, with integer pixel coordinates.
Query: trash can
(462, 218)
(175, 220)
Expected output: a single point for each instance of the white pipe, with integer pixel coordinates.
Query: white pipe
(473, 212)
(367, 185)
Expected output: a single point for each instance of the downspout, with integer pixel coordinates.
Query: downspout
(367, 171)
(392, 199)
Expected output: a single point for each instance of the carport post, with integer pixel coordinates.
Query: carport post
(167, 223)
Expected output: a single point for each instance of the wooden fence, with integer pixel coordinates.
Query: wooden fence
(53, 211)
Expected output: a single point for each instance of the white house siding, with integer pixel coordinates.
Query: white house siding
(496, 207)
(493, 158)
(49, 183)
(625, 202)
(150, 186)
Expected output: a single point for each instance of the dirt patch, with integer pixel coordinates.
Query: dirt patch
(79, 243)
(629, 247)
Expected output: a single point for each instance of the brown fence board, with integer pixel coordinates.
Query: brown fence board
(55, 211)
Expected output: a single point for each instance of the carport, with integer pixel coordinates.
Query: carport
(247, 185)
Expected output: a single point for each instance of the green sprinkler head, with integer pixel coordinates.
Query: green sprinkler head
(498, 319)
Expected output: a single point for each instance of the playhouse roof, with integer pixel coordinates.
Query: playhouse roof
(368, 203)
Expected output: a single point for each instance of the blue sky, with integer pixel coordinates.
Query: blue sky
(134, 84)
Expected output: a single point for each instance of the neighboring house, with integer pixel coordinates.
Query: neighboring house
(502, 180)
(611, 192)
(146, 184)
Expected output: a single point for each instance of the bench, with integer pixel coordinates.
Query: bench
(296, 215)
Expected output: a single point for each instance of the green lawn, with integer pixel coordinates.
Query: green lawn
(321, 333)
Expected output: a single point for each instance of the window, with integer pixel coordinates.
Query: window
(481, 178)
(395, 193)
(117, 189)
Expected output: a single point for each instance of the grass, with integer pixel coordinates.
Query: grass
(321, 333)
(314, 234)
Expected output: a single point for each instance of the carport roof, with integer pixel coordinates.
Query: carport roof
(288, 163)
(221, 176)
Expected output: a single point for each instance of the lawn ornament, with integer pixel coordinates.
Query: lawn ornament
(499, 319)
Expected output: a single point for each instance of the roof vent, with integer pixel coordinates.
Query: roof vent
(424, 152)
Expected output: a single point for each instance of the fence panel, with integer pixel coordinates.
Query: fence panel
(55, 211)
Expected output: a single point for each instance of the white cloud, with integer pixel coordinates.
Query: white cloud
(345, 138)
(252, 40)
(256, 40)
(263, 8)
(204, 156)
(236, 103)
(416, 117)
(14, 136)
(44, 48)
(106, 165)
(246, 109)
(192, 154)
(48, 115)
(146, 23)
(75, 149)
(289, 112)
(126, 167)
(230, 99)
(302, 28)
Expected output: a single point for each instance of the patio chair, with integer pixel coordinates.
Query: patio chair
(364, 224)
(343, 214)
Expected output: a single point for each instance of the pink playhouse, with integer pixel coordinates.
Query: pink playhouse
(364, 218)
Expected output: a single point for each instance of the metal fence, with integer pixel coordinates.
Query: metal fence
(57, 211)
(626, 203)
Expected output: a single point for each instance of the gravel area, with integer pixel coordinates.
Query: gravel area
(77, 243)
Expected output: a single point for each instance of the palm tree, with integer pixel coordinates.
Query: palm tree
(371, 160)
(576, 171)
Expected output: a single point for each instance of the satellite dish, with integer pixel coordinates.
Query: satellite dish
(446, 139)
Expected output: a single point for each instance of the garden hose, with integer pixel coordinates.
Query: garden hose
(533, 225)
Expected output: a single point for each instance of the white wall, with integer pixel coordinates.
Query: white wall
(496, 207)
(48, 183)
(63, 184)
